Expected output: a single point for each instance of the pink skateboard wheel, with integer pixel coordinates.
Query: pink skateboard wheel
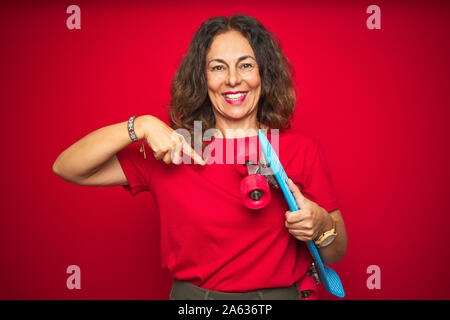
(255, 191)
(308, 288)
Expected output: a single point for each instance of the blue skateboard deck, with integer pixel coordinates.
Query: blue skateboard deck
(327, 276)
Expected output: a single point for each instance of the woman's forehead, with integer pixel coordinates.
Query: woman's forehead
(229, 46)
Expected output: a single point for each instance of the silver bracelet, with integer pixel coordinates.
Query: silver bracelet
(131, 132)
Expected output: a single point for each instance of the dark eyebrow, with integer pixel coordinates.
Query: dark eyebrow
(239, 60)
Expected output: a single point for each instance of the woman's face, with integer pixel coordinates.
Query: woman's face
(232, 76)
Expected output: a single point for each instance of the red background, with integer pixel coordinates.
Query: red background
(376, 99)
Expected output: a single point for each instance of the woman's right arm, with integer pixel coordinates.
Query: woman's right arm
(92, 160)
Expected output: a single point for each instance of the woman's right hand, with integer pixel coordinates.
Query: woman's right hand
(166, 143)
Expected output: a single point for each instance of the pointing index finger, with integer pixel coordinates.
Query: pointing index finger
(187, 149)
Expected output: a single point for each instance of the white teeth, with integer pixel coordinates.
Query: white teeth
(235, 96)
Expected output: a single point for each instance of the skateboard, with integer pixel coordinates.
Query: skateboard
(255, 193)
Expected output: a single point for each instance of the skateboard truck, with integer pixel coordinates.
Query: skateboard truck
(266, 171)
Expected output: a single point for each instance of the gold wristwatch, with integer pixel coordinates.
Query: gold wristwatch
(327, 237)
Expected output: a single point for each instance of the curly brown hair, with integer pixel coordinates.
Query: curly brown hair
(189, 93)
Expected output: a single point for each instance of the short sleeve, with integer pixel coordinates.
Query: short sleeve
(318, 185)
(135, 168)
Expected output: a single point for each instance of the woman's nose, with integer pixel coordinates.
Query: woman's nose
(233, 77)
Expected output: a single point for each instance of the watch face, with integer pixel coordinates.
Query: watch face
(328, 240)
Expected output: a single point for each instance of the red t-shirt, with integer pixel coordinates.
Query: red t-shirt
(208, 237)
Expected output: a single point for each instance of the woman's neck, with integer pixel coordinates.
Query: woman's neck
(238, 129)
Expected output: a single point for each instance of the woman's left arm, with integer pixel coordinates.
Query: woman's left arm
(311, 221)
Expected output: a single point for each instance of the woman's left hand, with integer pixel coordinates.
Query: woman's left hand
(310, 221)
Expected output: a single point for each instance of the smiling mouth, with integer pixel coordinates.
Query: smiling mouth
(235, 97)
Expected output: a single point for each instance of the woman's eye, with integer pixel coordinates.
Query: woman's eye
(246, 65)
(218, 68)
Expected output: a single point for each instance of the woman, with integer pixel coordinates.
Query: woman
(233, 79)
